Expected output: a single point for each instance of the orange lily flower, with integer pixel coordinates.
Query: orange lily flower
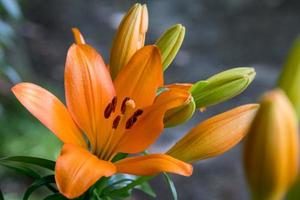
(103, 118)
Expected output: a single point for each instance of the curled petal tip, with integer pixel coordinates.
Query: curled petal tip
(79, 39)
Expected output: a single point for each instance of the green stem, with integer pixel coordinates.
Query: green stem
(136, 182)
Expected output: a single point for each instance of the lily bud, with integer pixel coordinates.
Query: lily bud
(215, 135)
(129, 38)
(222, 86)
(271, 149)
(289, 79)
(180, 114)
(169, 44)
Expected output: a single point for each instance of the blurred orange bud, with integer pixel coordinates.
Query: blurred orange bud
(216, 135)
(129, 38)
(271, 148)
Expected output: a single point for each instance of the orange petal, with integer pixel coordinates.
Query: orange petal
(184, 86)
(89, 90)
(50, 111)
(79, 39)
(141, 77)
(153, 164)
(77, 170)
(150, 125)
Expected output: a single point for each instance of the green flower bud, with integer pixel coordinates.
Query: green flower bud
(289, 79)
(169, 43)
(180, 114)
(222, 86)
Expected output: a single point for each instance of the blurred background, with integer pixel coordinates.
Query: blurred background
(35, 36)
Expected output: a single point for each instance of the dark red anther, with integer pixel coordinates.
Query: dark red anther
(138, 112)
(123, 106)
(130, 122)
(114, 104)
(108, 110)
(116, 122)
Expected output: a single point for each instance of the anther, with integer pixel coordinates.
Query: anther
(123, 106)
(108, 110)
(138, 112)
(116, 122)
(114, 104)
(130, 122)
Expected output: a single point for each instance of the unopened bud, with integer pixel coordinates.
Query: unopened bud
(271, 148)
(169, 44)
(180, 114)
(289, 79)
(215, 135)
(129, 38)
(222, 86)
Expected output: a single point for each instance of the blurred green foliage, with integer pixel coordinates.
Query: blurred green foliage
(20, 133)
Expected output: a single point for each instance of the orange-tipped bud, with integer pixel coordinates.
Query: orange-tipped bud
(129, 38)
(181, 114)
(271, 149)
(216, 135)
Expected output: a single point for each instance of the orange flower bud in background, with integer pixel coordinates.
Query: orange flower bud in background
(129, 38)
(271, 149)
(216, 135)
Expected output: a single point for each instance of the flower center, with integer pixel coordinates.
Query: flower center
(123, 120)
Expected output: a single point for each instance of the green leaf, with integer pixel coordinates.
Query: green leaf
(1, 195)
(41, 162)
(146, 188)
(21, 169)
(171, 186)
(55, 196)
(44, 181)
(119, 156)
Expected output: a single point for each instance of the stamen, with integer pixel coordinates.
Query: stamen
(108, 110)
(114, 104)
(116, 122)
(130, 122)
(138, 112)
(130, 104)
(123, 106)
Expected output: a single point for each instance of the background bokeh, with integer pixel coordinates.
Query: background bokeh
(35, 36)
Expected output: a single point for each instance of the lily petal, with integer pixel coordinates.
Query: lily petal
(141, 77)
(150, 125)
(50, 111)
(153, 164)
(79, 39)
(89, 89)
(184, 86)
(77, 169)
